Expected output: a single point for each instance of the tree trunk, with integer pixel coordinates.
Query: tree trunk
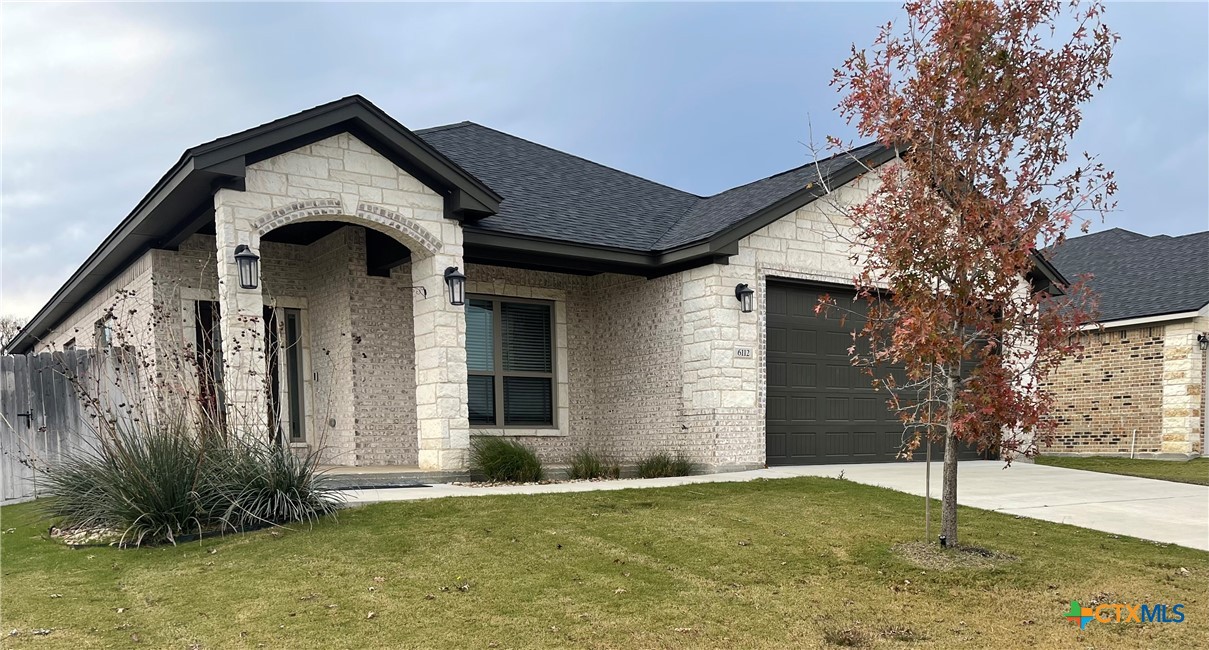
(948, 498)
(948, 490)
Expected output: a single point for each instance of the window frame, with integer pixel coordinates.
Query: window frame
(498, 373)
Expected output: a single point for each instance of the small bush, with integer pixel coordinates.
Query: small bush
(662, 463)
(501, 459)
(156, 484)
(587, 464)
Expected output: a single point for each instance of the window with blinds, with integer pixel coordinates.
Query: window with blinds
(510, 361)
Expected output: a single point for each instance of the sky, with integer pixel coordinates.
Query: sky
(99, 100)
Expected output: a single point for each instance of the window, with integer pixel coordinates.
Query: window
(103, 333)
(510, 361)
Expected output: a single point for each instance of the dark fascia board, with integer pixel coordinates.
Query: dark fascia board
(732, 234)
(178, 191)
(177, 203)
(1045, 276)
(503, 249)
(363, 119)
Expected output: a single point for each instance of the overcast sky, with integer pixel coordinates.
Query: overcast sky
(100, 100)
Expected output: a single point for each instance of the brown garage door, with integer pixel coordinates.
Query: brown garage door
(820, 408)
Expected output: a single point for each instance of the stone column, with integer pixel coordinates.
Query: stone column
(241, 323)
(440, 340)
(1181, 389)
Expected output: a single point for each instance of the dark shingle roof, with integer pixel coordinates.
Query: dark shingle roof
(718, 212)
(555, 195)
(1135, 275)
(551, 194)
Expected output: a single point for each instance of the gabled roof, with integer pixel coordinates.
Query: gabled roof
(182, 201)
(554, 195)
(520, 202)
(1137, 276)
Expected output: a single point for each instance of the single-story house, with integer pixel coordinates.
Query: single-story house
(1138, 388)
(407, 290)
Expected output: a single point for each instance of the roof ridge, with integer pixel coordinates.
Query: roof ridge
(794, 169)
(571, 155)
(679, 219)
(444, 127)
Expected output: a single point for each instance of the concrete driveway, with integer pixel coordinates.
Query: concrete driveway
(1162, 511)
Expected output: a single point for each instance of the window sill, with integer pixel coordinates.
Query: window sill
(517, 432)
(299, 445)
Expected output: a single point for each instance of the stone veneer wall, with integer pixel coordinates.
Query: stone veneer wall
(1111, 389)
(724, 395)
(383, 374)
(638, 372)
(132, 289)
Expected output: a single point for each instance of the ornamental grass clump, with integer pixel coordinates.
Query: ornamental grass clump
(505, 461)
(155, 484)
(662, 463)
(587, 464)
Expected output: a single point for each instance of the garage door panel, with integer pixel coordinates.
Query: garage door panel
(865, 444)
(867, 409)
(821, 409)
(777, 338)
(802, 342)
(837, 445)
(837, 409)
(776, 408)
(803, 409)
(776, 373)
(802, 376)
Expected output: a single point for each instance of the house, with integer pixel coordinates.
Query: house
(1138, 388)
(404, 291)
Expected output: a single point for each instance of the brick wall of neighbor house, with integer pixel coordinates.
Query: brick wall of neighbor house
(1147, 378)
(1111, 389)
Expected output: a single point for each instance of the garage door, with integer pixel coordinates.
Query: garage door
(820, 408)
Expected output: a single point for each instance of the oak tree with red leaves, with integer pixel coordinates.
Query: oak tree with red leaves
(980, 99)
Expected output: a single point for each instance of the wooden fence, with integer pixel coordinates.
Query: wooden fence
(42, 417)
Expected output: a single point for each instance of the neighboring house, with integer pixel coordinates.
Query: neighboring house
(601, 310)
(1138, 388)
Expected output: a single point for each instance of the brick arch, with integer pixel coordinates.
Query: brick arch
(408, 231)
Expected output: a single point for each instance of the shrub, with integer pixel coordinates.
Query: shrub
(501, 459)
(662, 463)
(587, 464)
(155, 484)
(259, 483)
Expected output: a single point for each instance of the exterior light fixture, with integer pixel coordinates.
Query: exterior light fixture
(249, 267)
(746, 296)
(1203, 341)
(457, 286)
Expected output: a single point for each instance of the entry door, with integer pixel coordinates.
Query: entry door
(284, 359)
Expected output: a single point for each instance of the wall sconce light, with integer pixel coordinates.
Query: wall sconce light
(249, 267)
(457, 286)
(746, 296)
(1202, 340)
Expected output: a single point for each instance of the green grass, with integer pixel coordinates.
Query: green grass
(1182, 471)
(768, 564)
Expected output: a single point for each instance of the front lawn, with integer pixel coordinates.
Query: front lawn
(770, 564)
(1182, 471)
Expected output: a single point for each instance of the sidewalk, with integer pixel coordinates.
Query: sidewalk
(1163, 511)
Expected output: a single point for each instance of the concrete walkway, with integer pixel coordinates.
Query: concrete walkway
(1162, 511)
